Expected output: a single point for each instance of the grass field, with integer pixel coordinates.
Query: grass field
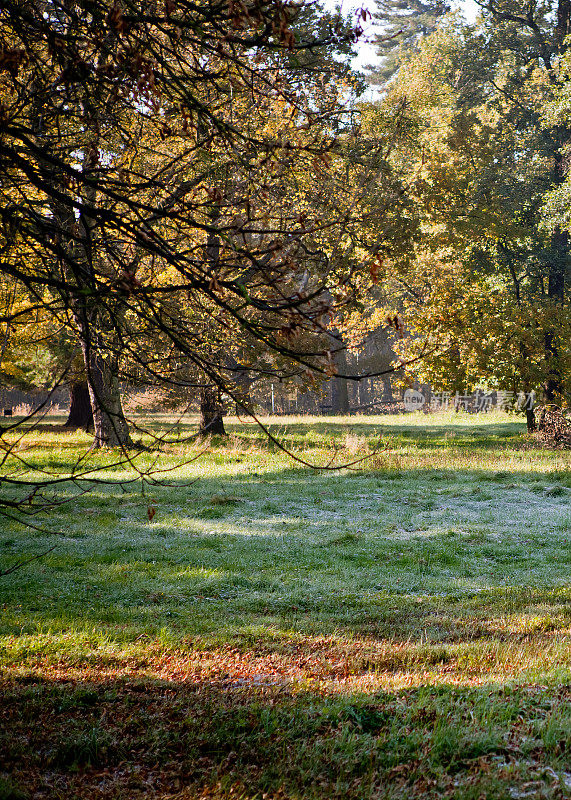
(399, 628)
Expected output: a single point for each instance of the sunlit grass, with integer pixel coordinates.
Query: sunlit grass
(376, 630)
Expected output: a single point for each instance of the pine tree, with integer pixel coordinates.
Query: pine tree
(403, 23)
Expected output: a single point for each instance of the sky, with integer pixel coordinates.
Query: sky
(366, 50)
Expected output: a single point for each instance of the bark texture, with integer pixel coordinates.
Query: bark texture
(80, 412)
(102, 371)
(211, 412)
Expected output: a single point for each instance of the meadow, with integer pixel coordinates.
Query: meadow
(257, 627)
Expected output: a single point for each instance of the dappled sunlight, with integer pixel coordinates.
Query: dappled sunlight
(319, 551)
(299, 662)
(411, 613)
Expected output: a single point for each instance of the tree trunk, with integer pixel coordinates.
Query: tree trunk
(387, 396)
(364, 392)
(530, 419)
(109, 421)
(339, 389)
(101, 370)
(244, 402)
(553, 383)
(80, 412)
(211, 412)
(563, 19)
(339, 396)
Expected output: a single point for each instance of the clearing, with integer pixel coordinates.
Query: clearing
(400, 628)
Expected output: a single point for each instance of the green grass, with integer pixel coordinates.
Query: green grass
(399, 627)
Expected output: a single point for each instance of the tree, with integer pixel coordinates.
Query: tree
(123, 136)
(38, 352)
(485, 292)
(403, 24)
(80, 410)
(179, 191)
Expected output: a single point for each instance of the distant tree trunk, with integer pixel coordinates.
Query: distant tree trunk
(211, 412)
(530, 418)
(339, 396)
(339, 389)
(364, 392)
(244, 402)
(387, 389)
(80, 412)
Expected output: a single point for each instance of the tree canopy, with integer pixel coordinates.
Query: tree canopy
(176, 190)
(486, 289)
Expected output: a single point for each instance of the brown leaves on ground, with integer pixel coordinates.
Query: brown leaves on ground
(553, 427)
(244, 720)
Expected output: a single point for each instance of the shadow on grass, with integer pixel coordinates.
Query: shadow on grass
(214, 734)
(380, 430)
(426, 431)
(484, 432)
(250, 640)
